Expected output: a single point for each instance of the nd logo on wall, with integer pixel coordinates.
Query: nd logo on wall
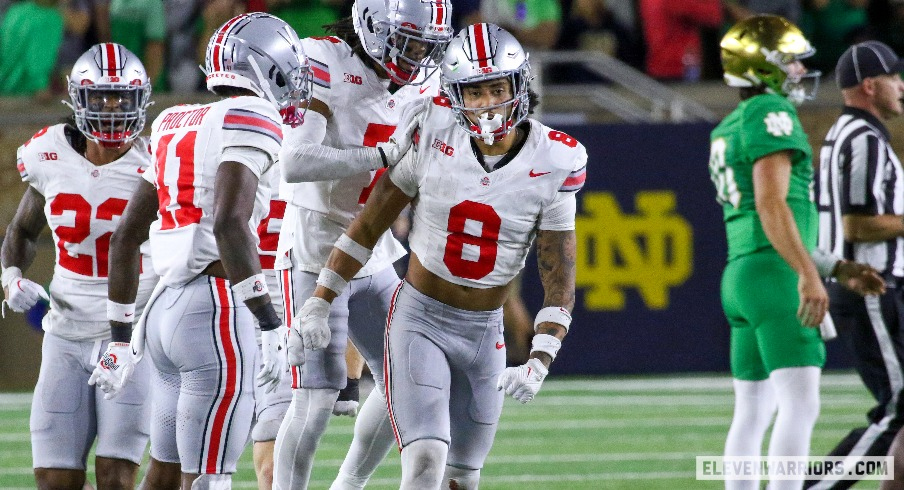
(651, 250)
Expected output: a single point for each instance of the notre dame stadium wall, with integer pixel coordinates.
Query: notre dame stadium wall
(651, 249)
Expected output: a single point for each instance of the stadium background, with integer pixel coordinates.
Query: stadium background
(651, 242)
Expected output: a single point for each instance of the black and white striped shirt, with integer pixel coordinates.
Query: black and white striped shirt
(859, 174)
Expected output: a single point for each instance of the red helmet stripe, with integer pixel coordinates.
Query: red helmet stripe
(439, 12)
(479, 44)
(217, 54)
(112, 65)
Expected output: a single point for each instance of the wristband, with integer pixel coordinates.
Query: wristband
(353, 248)
(267, 319)
(251, 287)
(332, 281)
(554, 314)
(118, 312)
(545, 343)
(9, 275)
(825, 262)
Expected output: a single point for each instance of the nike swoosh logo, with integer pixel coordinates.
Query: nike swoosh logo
(500, 345)
(140, 170)
(128, 314)
(534, 174)
(425, 89)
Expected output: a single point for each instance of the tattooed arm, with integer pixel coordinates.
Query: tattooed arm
(556, 252)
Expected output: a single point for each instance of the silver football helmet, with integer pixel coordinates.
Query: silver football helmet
(261, 53)
(406, 37)
(482, 52)
(109, 92)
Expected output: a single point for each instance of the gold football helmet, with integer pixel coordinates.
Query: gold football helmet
(762, 51)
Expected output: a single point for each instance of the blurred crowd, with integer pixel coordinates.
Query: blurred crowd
(670, 40)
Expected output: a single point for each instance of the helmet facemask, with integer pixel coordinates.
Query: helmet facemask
(110, 115)
(506, 115)
(409, 54)
(799, 84)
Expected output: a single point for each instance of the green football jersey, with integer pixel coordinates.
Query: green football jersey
(759, 126)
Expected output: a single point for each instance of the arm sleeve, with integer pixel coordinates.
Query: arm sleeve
(27, 171)
(304, 159)
(316, 51)
(253, 123)
(575, 180)
(254, 158)
(864, 156)
(559, 215)
(770, 124)
(404, 174)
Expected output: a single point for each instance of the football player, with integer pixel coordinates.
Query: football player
(772, 292)
(81, 175)
(198, 205)
(484, 181)
(376, 60)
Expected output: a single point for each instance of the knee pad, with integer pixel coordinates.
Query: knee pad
(422, 463)
(212, 482)
(461, 478)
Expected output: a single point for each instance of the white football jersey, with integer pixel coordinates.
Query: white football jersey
(83, 203)
(269, 227)
(472, 227)
(364, 113)
(187, 142)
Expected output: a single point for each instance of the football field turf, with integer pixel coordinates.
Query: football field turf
(580, 433)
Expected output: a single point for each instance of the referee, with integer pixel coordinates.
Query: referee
(861, 217)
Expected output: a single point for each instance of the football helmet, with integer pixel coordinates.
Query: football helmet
(261, 53)
(482, 52)
(763, 50)
(406, 37)
(109, 93)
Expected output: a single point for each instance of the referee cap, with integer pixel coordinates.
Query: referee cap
(865, 60)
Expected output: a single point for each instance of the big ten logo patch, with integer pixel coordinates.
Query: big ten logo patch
(443, 147)
(356, 79)
(47, 155)
(651, 250)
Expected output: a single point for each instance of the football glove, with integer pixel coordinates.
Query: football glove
(23, 294)
(295, 348)
(113, 369)
(347, 403)
(523, 382)
(400, 141)
(312, 323)
(273, 354)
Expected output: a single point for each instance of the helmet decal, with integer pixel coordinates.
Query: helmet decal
(261, 53)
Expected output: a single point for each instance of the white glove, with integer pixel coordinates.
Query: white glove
(346, 407)
(273, 353)
(23, 294)
(311, 323)
(523, 382)
(113, 369)
(400, 141)
(295, 348)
